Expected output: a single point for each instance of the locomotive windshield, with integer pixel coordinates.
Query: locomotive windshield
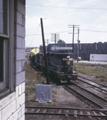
(58, 48)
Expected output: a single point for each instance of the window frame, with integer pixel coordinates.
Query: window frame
(8, 83)
(4, 82)
(6, 34)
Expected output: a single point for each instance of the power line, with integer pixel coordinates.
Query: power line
(91, 19)
(68, 7)
(69, 31)
(59, 15)
(48, 33)
(34, 34)
(94, 31)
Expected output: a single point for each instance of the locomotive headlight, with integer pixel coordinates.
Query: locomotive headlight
(68, 56)
(70, 59)
(68, 62)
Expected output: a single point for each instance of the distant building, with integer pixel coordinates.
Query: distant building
(12, 59)
(85, 49)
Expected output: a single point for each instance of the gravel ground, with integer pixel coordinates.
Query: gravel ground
(60, 97)
(65, 99)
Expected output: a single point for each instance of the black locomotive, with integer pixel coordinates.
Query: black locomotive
(60, 62)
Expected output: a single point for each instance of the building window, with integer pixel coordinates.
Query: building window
(3, 16)
(1, 59)
(4, 45)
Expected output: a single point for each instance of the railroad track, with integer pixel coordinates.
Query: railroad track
(56, 113)
(98, 86)
(93, 81)
(90, 97)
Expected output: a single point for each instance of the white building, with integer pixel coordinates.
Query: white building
(12, 59)
(98, 57)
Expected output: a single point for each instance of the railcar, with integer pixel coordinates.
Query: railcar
(60, 62)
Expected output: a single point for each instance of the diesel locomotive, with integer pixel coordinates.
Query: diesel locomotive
(59, 60)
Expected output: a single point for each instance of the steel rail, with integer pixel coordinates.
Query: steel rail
(49, 113)
(66, 108)
(70, 90)
(103, 115)
(93, 81)
(92, 85)
(91, 92)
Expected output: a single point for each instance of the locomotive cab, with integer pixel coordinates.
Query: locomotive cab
(60, 63)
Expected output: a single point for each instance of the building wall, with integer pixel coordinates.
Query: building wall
(90, 48)
(12, 107)
(20, 43)
(85, 49)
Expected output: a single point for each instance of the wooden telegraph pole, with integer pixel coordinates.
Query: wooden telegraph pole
(73, 39)
(46, 65)
(73, 26)
(78, 46)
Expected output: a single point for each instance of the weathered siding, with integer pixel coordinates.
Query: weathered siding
(20, 43)
(12, 107)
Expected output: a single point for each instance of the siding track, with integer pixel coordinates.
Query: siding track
(33, 112)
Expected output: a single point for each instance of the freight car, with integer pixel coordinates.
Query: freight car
(32, 56)
(60, 62)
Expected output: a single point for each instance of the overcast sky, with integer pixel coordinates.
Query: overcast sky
(90, 15)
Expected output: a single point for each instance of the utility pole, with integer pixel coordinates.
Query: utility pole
(46, 65)
(54, 38)
(73, 26)
(55, 42)
(47, 40)
(73, 39)
(78, 41)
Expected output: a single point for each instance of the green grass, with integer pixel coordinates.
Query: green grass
(98, 71)
(32, 78)
(27, 56)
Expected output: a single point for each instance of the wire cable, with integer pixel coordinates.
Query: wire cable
(34, 35)
(93, 8)
(93, 31)
(93, 17)
(69, 31)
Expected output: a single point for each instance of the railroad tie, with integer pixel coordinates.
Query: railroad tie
(67, 111)
(66, 115)
(44, 111)
(88, 113)
(81, 112)
(94, 113)
(26, 110)
(68, 118)
(102, 113)
(75, 113)
(38, 110)
(32, 110)
(50, 116)
(58, 116)
(59, 111)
